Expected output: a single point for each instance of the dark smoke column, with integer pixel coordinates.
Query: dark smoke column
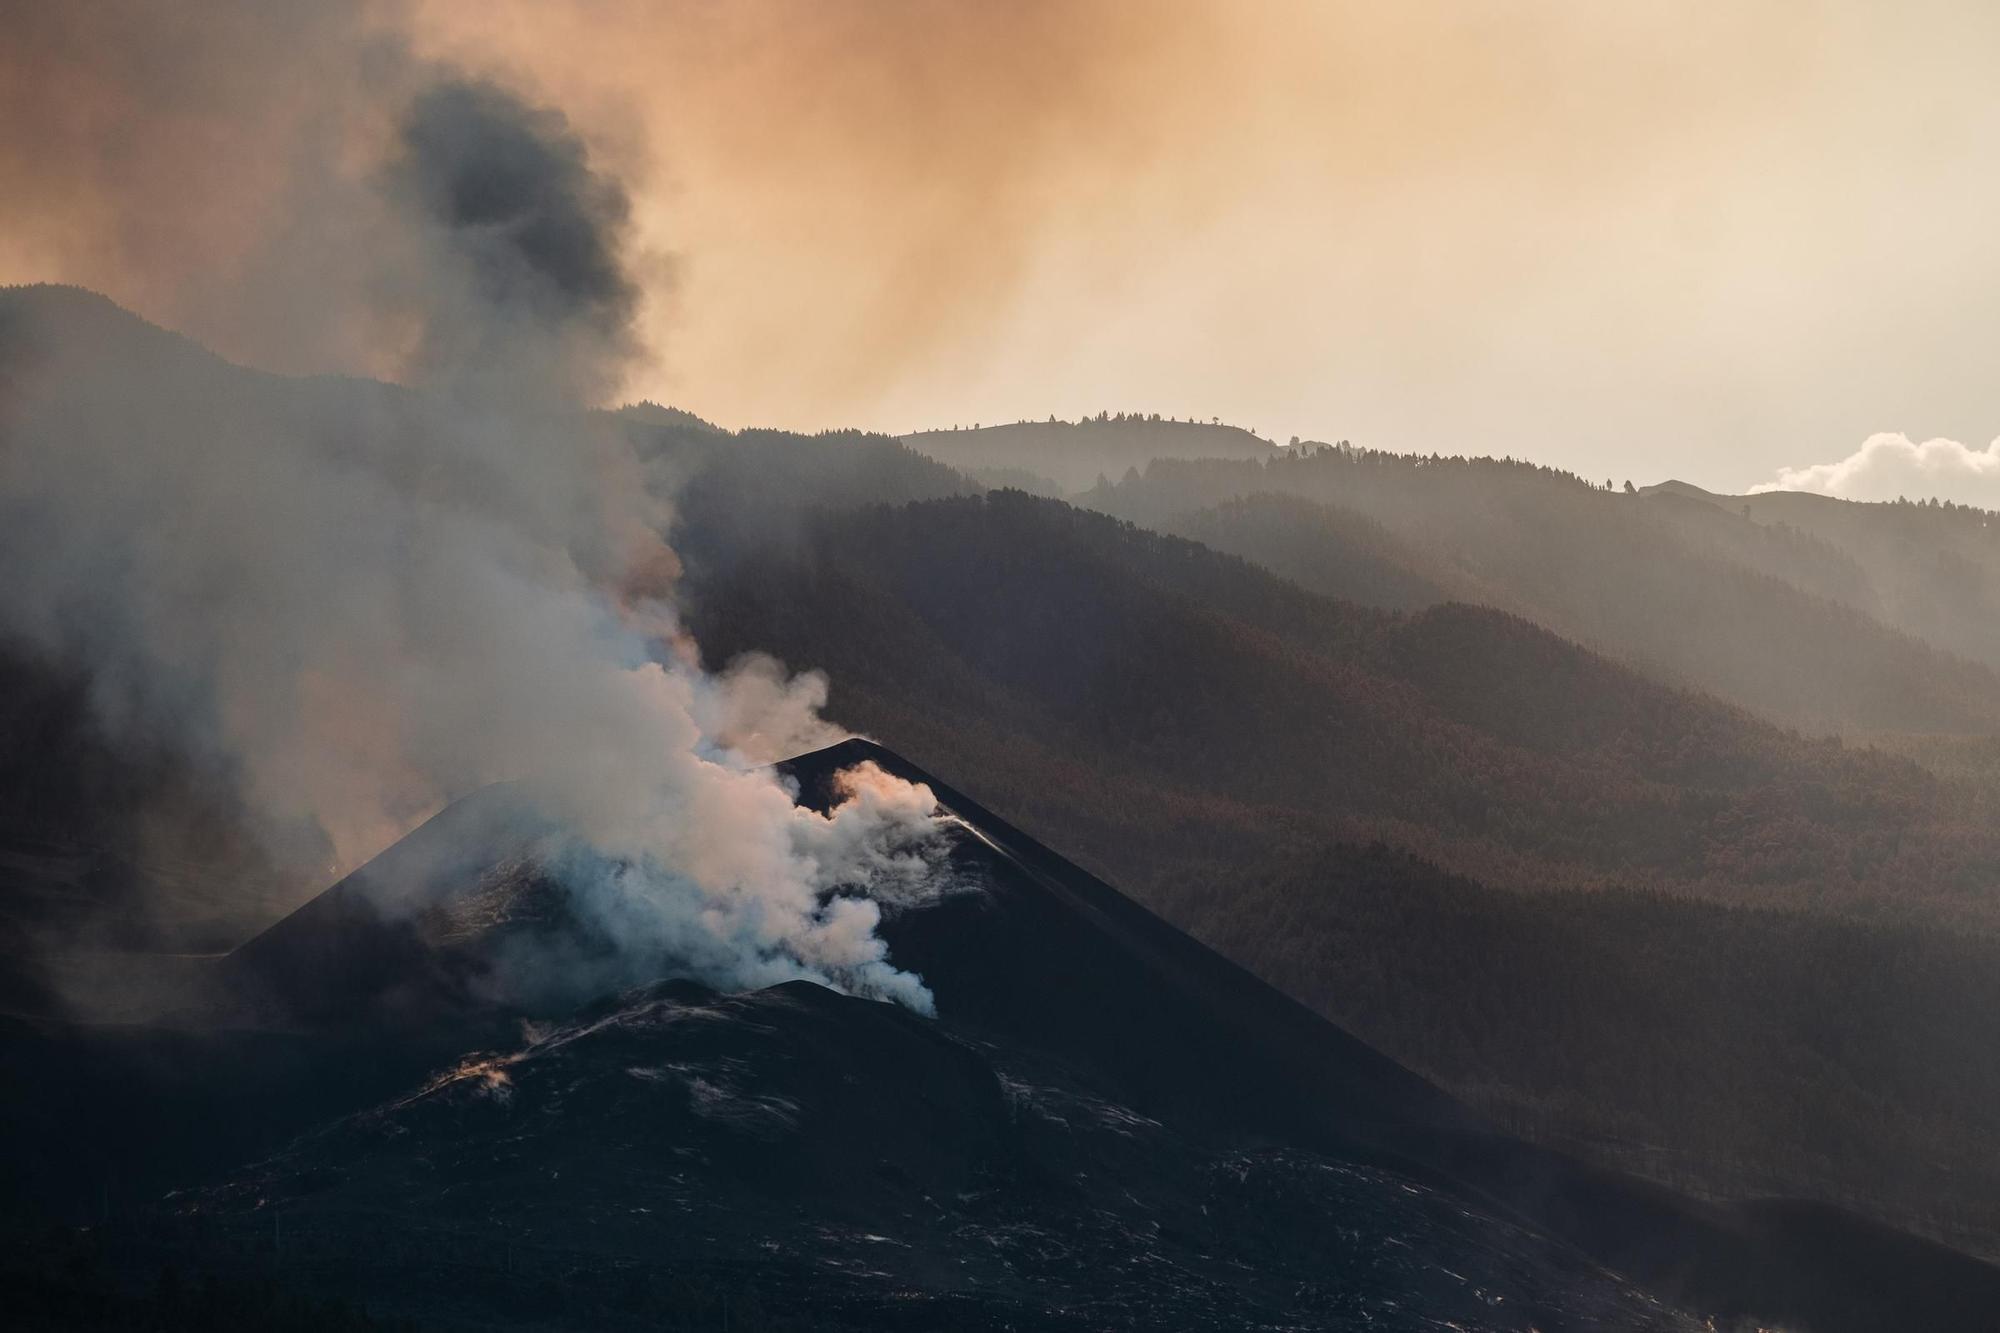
(525, 240)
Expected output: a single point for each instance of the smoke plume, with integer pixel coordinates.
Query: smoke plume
(504, 196)
(357, 601)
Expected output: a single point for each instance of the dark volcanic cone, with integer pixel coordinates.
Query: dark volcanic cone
(1107, 1125)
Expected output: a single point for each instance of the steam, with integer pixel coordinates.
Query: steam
(1890, 466)
(877, 838)
(359, 602)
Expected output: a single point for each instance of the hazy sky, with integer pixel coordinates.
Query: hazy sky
(1636, 239)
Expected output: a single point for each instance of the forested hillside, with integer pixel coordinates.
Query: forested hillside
(1765, 614)
(1071, 455)
(1479, 739)
(1585, 899)
(1931, 568)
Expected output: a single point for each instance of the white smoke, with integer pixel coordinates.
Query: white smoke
(763, 713)
(361, 602)
(1891, 466)
(791, 894)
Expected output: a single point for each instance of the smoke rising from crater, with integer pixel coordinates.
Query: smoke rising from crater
(356, 602)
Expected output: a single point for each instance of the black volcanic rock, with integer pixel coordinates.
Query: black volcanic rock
(1107, 1126)
(1054, 959)
(1051, 957)
(846, 1164)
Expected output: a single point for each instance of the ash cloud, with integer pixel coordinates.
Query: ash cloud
(296, 185)
(358, 602)
(511, 208)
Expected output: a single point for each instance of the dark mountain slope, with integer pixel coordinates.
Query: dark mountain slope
(819, 1162)
(1258, 765)
(43, 322)
(1107, 1126)
(1166, 1012)
(1174, 1026)
(739, 494)
(795, 1159)
(1519, 758)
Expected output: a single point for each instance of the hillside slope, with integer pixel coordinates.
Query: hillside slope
(1472, 735)
(1765, 614)
(1074, 454)
(1297, 780)
(1930, 569)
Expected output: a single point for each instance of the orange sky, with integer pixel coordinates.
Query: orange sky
(1636, 238)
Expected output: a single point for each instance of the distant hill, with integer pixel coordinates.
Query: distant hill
(1074, 454)
(1681, 489)
(43, 321)
(1930, 569)
(653, 414)
(1795, 624)
(1820, 613)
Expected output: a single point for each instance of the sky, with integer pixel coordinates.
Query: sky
(1733, 244)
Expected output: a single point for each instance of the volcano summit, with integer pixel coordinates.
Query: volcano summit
(1106, 1125)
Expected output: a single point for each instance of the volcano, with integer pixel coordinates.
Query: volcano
(1106, 1126)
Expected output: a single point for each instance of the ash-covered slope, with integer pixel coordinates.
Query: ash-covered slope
(793, 1158)
(1052, 958)
(1106, 1126)
(411, 935)
(1047, 956)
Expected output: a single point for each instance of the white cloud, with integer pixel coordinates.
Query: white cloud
(1891, 465)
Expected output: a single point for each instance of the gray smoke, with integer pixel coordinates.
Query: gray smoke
(504, 195)
(363, 602)
(291, 184)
